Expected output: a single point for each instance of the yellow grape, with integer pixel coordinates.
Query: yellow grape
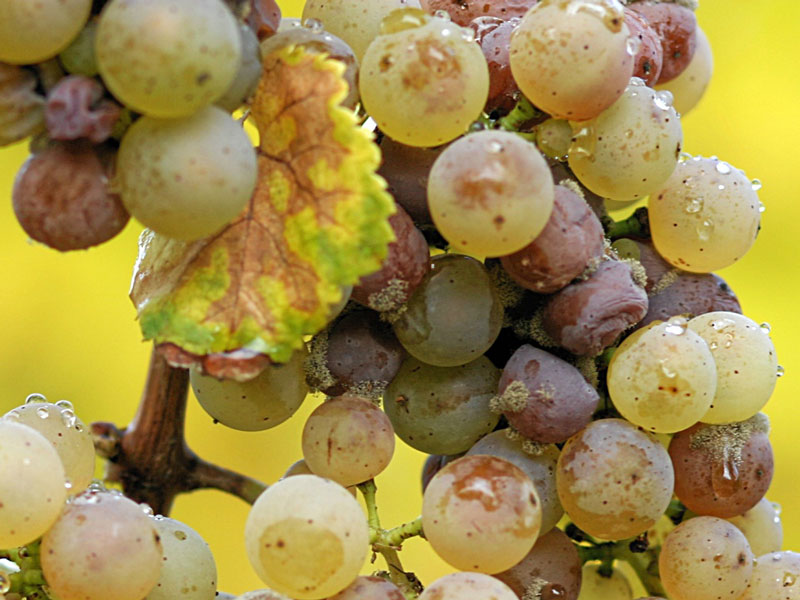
(762, 527)
(775, 577)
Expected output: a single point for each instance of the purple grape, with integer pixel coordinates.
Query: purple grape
(406, 169)
(691, 294)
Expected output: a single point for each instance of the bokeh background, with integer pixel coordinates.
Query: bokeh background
(68, 330)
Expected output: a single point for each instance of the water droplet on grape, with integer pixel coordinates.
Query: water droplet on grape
(766, 327)
(467, 34)
(761, 207)
(494, 147)
(776, 557)
(632, 45)
(42, 412)
(13, 415)
(780, 371)
(583, 142)
(676, 326)
(713, 345)
(705, 229)
(65, 404)
(146, 509)
(68, 484)
(788, 579)
(663, 99)
(35, 398)
(723, 168)
(314, 25)
(68, 417)
(180, 535)
(695, 205)
(442, 14)
(756, 185)
(5, 583)
(665, 369)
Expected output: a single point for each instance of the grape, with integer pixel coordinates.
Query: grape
(553, 138)
(747, 366)
(78, 58)
(539, 464)
(572, 60)
(775, 576)
(258, 404)
(356, 22)
(71, 439)
(424, 80)
(552, 566)
(659, 272)
(457, 290)
(370, 588)
(465, 11)
(314, 38)
(442, 410)
(32, 490)
(706, 217)
(676, 26)
(102, 546)
(494, 36)
(490, 193)
(188, 571)
(691, 294)
(761, 525)
(348, 439)
(481, 513)
(306, 537)
(248, 74)
(75, 109)
(630, 149)
(722, 470)
(259, 595)
(21, 107)
(406, 263)
(663, 377)
(588, 316)
(688, 87)
(32, 32)
(406, 169)
(186, 178)
(571, 241)
(598, 585)
(649, 56)
(433, 464)
(458, 586)
(543, 397)
(614, 480)
(359, 353)
(705, 558)
(167, 58)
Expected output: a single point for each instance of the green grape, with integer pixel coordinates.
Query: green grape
(631, 148)
(255, 405)
(186, 178)
(747, 366)
(775, 577)
(762, 527)
(32, 484)
(32, 32)
(688, 87)
(167, 58)
(599, 585)
(456, 291)
(490, 193)
(481, 513)
(554, 137)
(705, 558)
(539, 464)
(572, 59)
(442, 410)
(102, 546)
(247, 75)
(706, 217)
(306, 537)
(78, 58)
(348, 439)
(71, 439)
(424, 80)
(663, 377)
(458, 586)
(614, 480)
(355, 21)
(188, 571)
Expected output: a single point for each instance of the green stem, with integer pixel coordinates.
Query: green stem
(407, 582)
(523, 112)
(397, 535)
(637, 225)
(645, 565)
(368, 489)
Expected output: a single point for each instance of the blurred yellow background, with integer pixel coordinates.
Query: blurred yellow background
(68, 328)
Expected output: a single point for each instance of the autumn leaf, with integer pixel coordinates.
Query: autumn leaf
(317, 221)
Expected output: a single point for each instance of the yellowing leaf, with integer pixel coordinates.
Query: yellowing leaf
(317, 221)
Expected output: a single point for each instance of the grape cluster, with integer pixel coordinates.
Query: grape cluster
(588, 391)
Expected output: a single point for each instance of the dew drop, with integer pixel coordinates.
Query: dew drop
(776, 557)
(723, 168)
(467, 35)
(684, 156)
(676, 326)
(68, 417)
(780, 371)
(713, 345)
(666, 370)
(42, 412)
(314, 25)
(761, 207)
(664, 99)
(756, 184)
(146, 509)
(68, 484)
(180, 535)
(694, 206)
(96, 486)
(443, 14)
(65, 404)
(494, 147)
(35, 398)
(788, 579)
(765, 327)
(13, 415)
(583, 142)
(705, 229)
(633, 45)
(5, 583)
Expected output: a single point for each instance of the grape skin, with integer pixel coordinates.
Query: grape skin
(465, 11)
(32, 490)
(761, 525)
(688, 87)
(649, 57)
(675, 26)
(370, 588)
(458, 586)
(306, 537)
(774, 577)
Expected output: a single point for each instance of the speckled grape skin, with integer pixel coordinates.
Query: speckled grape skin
(31, 32)
(540, 466)
(776, 576)
(167, 58)
(710, 482)
(370, 588)
(554, 558)
(676, 26)
(747, 365)
(762, 527)
(649, 56)
(662, 377)
(614, 480)
(186, 178)
(307, 537)
(573, 64)
(706, 217)
(458, 586)
(481, 513)
(348, 439)
(490, 193)
(688, 87)
(464, 11)
(705, 558)
(494, 36)
(630, 149)
(424, 85)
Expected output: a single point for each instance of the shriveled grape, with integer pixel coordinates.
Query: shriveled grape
(691, 294)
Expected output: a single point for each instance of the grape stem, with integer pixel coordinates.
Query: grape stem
(522, 112)
(637, 225)
(150, 457)
(645, 564)
(388, 542)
